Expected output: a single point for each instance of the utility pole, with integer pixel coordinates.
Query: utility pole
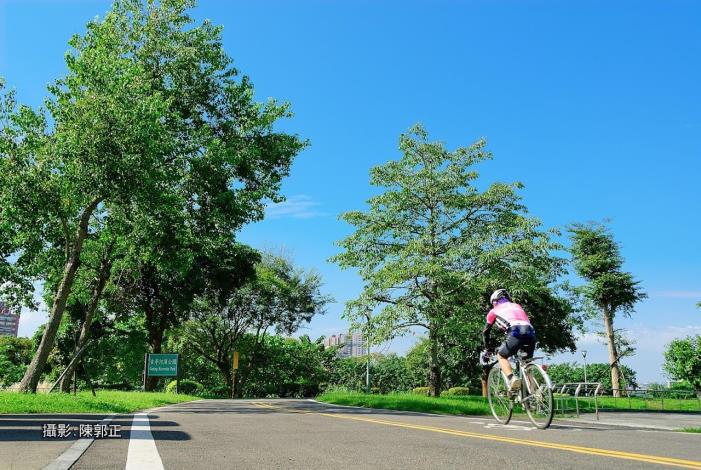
(584, 356)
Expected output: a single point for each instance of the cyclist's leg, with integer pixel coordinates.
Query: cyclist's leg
(507, 349)
(528, 341)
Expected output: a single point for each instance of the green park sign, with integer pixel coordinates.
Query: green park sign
(162, 365)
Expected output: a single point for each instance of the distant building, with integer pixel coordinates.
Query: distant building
(9, 322)
(353, 344)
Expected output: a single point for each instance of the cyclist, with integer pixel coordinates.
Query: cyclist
(512, 319)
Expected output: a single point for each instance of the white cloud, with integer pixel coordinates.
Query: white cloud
(30, 321)
(300, 206)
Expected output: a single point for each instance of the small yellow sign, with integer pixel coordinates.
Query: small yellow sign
(236, 359)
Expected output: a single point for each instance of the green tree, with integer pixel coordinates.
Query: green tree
(348, 373)
(15, 354)
(152, 125)
(285, 367)
(597, 259)
(279, 296)
(433, 245)
(572, 372)
(683, 361)
(389, 373)
(115, 357)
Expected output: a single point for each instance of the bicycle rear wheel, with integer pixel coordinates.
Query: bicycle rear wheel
(498, 395)
(538, 402)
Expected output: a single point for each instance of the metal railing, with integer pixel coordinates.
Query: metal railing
(581, 397)
(645, 399)
(575, 392)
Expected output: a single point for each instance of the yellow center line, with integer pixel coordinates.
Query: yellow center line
(527, 442)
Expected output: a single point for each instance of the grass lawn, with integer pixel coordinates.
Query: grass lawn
(470, 405)
(84, 402)
(698, 430)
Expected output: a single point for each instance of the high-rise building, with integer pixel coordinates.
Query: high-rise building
(353, 344)
(9, 322)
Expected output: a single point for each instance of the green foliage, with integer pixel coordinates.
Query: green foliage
(596, 257)
(154, 139)
(421, 391)
(458, 391)
(348, 374)
(459, 365)
(115, 358)
(572, 372)
(196, 367)
(277, 296)
(188, 387)
(285, 367)
(15, 354)
(683, 361)
(432, 246)
(389, 374)
(609, 290)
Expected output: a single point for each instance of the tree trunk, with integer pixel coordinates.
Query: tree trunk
(435, 370)
(225, 369)
(252, 358)
(36, 367)
(156, 342)
(613, 354)
(101, 280)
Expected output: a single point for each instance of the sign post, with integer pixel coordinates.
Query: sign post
(233, 373)
(162, 365)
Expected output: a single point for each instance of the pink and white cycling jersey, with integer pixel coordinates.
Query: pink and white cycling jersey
(506, 315)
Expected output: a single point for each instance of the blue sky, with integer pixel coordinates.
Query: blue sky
(593, 105)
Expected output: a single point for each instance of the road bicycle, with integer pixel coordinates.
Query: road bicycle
(535, 395)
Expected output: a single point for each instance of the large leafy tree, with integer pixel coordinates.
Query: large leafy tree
(151, 124)
(610, 290)
(279, 297)
(683, 361)
(286, 367)
(432, 245)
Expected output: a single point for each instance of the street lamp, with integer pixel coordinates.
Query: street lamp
(584, 356)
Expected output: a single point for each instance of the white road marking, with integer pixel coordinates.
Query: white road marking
(142, 454)
(511, 427)
(74, 452)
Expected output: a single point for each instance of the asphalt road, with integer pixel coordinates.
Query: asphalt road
(304, 434)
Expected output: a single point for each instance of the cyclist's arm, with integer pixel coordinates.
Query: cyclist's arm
(485, 335)
(491, 318)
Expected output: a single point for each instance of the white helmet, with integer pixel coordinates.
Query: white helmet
(499, 294)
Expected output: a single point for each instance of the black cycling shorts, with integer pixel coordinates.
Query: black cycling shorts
(518, 337)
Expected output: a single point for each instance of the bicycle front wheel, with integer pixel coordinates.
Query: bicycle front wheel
(498, 395)
(538, 402)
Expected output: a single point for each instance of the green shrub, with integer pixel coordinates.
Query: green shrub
(421, 391)
(217, 391)
(458, 391)
(375, 390)
(188, 387)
